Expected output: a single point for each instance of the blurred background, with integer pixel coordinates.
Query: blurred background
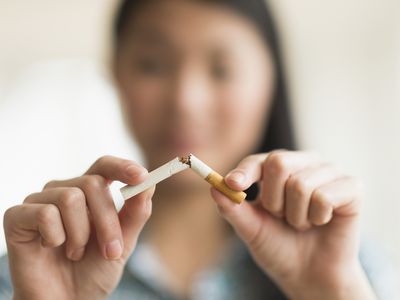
(59, 111)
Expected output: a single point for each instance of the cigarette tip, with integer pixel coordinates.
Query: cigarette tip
(186, 160)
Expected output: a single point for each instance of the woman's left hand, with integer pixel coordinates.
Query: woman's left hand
(302, 229)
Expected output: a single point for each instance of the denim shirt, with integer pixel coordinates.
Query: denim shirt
(235, 277)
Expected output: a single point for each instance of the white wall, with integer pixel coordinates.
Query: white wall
(58, 111)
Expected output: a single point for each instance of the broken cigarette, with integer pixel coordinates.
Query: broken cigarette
(177, 165)
(215, 179)
(167, 170)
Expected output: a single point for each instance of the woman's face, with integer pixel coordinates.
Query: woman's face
(194, 77)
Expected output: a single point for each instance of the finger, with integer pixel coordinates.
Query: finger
(101, 206)
(320, 212)
(103, 213)
(71, 203)
(115, 168)
(25, 223)
(277, 168)
(133, 215)
(112, 168)
(341, 197)
(298, 190)
(248, 171)
(244, 218)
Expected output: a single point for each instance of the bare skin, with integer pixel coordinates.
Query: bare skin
(72, 254)
(303, 229)
(311, 253)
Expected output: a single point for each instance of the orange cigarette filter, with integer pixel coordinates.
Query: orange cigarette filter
(217, 181)
(213, 178)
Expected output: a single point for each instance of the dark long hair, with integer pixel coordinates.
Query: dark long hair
(278, 133)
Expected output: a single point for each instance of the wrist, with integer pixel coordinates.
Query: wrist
(352, 283)
(68, 296)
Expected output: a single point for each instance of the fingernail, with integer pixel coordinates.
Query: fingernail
(114, 249)
(237, 177)
(77, 254)
(134, 171)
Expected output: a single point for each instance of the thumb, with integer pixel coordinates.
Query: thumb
(133, 215)
(244, 218)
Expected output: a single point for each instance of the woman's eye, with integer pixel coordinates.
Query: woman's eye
(149, 67)
(220, 72)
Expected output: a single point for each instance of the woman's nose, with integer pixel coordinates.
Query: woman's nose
(191, 93)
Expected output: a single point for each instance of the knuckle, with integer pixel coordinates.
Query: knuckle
(318, 201)
(276, 163)
(319, 197)
(321, 212)
(54, 240)
(29, 198)
(321, 220)
(298, 188)
(102, 160)
(71, 198)
(93, 182)
(47, 215)
(50, 184)
(9, 216)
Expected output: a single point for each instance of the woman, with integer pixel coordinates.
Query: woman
(202, 77)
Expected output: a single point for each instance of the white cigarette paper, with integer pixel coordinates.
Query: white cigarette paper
(167, 170)
(177, 165)
(199, 167)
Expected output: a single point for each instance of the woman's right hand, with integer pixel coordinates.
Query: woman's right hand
(68, 241)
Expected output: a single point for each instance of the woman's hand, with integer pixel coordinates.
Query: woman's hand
(302, 230)
(68, 241)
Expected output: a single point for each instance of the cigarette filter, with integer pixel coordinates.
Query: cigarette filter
(215, 179)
